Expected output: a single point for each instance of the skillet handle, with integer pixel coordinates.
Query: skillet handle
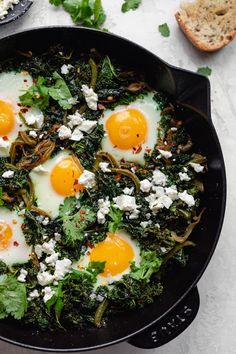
(172, 325)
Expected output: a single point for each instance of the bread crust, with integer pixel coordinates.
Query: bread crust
(198, 43)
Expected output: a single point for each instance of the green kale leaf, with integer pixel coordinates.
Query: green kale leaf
(3, 267)
(130, 5)
(149, 264)
(60, 92)
(12, 297)
(164, 30)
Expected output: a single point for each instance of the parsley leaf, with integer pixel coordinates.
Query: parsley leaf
(37, 95)
(60, 91)
(12, 297)
(205, 71)
(96, 267)
(164, 30)
(88, 13)
(130, 5)
(149, 264)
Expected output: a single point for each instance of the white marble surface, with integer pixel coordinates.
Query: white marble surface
(214, 330)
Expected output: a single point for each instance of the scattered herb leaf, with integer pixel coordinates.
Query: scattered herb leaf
(205, 71)
(164, 30)
(130, 5)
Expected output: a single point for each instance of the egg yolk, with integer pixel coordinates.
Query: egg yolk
(127, 128)
(64, 177)
(116, 252)
(6, 118)
(5, 235)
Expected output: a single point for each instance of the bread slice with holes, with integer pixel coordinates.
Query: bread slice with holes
(208, 24)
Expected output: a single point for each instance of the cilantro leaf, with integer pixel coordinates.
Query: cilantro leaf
(60, 91)
(164, 30)
(116, 218)
(88, 13)
(76, 223)
(149, 264)
(56, 301)
(37, 95)
(205, 71)
(12, 297)
(130, 5)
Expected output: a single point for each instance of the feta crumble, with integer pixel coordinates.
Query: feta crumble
(40, 170)
(183, 176)
(187, 198)
(22, 275)
(172, 192)
(48, 293)
(104, 207)
(33, 134)
(159, 178)
(64, 132)
(34, 117)
(197, 167)
(90, 96)
(128, 191)
(5, 5)
(62, 267)
(104, 167)
(125, 202)
(165, 154)
(87, 179)
(74, 119)
(8, 174)
(65, 69)
(144, 224)
(45, 278)
(33, 294)
(145, 185)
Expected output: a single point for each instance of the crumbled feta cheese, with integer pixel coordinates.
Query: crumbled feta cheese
(99, 298)
(172, 192)
(164, 201)
(34, 117)
(87, 179)
(38, 251)
(57, 236)
(74, 119)
(62, 267)
(8, 174)
(128, 191)
(173, 129)
(73, 100)
(197, 167)
(145, 185)
(159, 191)
(159, 178)
(51, 260)
(148, 216)
(88, 126)
(187, 198)
(90, 97)
(33, 294)
(5, 6)
(45, 221)
(48, 293)
(64, 132)
(156, 203)
(45, 278)
(125, 202)
(77, 134)
(183, 176)
(21, 212)
(33, 134)
(165, 154)
(66, 68)
(39, 218)
(40, 170)
(42, 266)
(104, 207)
(134, 215)
(144, 224)
(22, 276)
(104, 167)
(48, 247)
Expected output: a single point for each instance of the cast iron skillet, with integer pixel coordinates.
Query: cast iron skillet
(175, 309)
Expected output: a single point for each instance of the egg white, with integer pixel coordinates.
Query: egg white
(47, 198)
(149, 108)
(12, 86)
(17, 251)
(85, 259)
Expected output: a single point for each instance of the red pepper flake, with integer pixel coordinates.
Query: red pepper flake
(82, 211)
(15, 243)
(34, 81)
(117, 178)
(101, 106)
(89, 244)
(148, 150)
(22, 226)
(122, 160)
(25, 80)
(19, 104)
(5, 138)
(24, 110)
(82, 217)
(136, 150)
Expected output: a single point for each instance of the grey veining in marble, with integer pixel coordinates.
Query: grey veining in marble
(214, 330)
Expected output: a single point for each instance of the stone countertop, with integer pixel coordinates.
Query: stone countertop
(213, 331)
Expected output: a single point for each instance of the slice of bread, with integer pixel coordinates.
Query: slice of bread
(208, 24)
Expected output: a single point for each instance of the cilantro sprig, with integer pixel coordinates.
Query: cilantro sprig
(87, 13)
(130, 5)
(205, 71)
(164, 30)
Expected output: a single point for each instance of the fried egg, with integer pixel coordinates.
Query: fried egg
(55, 180)
(131, 130)
(13, 247)
(12, 86)
(118, 250)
